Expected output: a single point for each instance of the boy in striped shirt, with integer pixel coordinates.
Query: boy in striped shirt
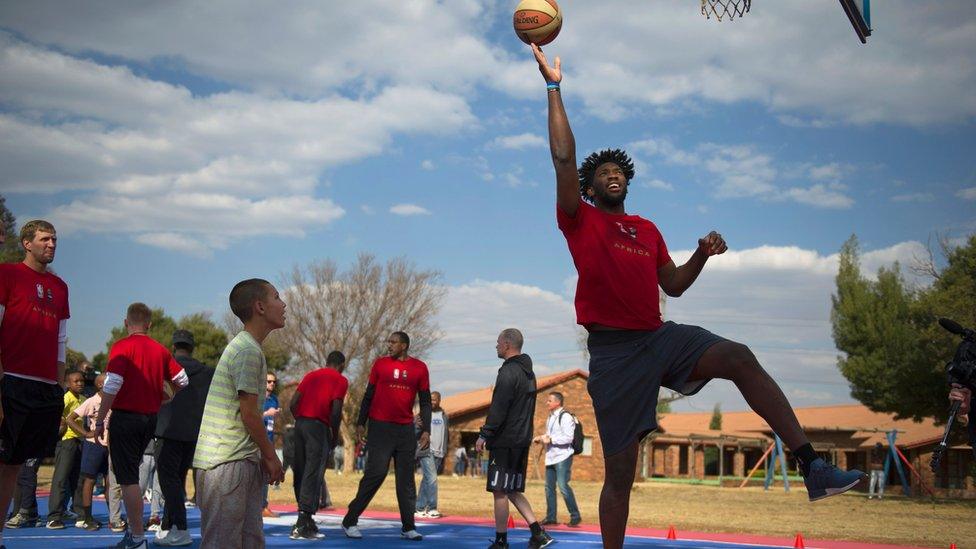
(233, 448)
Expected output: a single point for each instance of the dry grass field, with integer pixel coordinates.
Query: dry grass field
(712, 509)
(703, 508)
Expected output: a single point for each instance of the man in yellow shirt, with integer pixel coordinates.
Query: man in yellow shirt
(67, 457)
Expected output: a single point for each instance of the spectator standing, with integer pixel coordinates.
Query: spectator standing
(560, 427)
(94, 454)
(431, 459)
(177, 428)
(271, 409)
(67, 458)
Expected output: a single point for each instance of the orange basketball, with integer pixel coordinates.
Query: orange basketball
(537, 21)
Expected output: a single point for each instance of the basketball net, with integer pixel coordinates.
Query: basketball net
(725, 8)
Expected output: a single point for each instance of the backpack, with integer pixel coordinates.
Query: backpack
(577, 432)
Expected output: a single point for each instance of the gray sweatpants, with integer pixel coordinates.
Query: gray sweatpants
(229, 498)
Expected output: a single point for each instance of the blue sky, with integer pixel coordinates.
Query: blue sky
(180, 148)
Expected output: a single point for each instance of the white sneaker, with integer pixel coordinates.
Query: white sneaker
(80, 523)
(412, 535)
(433, 513)
(353, 532)
(421, 514)
(173, 538)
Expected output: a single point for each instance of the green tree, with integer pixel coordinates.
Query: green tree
(73, 359)
(716, 423)
(210, 339)
(100, 361)
(10, 250)
(895, 351)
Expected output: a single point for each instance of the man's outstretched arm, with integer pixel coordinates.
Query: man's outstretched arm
(561, 141)
(675, 280)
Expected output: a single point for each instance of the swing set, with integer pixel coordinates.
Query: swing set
(775, 452)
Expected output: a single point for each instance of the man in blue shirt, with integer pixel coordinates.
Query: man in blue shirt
(271, 409)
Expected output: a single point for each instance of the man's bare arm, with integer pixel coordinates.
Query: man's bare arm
(675, 280)
(562, 144)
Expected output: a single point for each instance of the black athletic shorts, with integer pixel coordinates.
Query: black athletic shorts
(506, 469)
(31, 419)
(129, 434)
(627, 370)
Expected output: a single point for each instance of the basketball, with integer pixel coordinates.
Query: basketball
(537, 21)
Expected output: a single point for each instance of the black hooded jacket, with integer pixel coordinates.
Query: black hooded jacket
(509, 421)
(179, 419)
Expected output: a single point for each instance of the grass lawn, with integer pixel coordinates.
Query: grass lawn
(701, 508)
(710, 509)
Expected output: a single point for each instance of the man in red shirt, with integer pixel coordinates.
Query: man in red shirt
(395, 381)
(622, 260)
(133, 390)
(33, 320)
(317, 408)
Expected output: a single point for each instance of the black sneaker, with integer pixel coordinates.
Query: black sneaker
(91, 524)
(55, 525)
(574, 523)
(498, 545)
(541, 540)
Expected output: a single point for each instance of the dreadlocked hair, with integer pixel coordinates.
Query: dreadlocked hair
(597, 159)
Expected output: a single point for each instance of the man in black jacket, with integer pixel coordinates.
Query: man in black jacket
(177, 428)
(508, 434)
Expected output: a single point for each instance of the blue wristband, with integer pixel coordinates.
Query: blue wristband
(552, 86)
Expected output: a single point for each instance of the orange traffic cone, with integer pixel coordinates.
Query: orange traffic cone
(511, 521)
(671, 533)
(798, 542)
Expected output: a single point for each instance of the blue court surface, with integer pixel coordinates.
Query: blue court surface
(440, 533)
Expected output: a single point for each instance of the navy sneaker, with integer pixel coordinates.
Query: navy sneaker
(825, 480)
(128, 543)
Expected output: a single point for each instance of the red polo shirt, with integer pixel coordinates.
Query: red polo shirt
(617, 257)
(143, 364)
(396, 383)
(34, 306)
(319, 389)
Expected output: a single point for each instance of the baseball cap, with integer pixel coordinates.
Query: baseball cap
(183, 336)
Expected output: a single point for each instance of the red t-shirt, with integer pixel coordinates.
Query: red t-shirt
(617, 257)
(319, 388)
(397, 383)
(35, 304)
(143, 364)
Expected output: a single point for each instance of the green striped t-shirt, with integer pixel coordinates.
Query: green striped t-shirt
(223, 437)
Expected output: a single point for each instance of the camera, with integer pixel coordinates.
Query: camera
(962, 368)
(962, 371)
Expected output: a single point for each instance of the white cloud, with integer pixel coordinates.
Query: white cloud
(367, 209)
(177, 243)
(819, 196)
(811, 74)
(409, 209)
(520, 142)
(913, 197)
(163, 160)
(427, 165)
(658, 184)
(967, 193)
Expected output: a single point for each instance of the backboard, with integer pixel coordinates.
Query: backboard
(859, 12)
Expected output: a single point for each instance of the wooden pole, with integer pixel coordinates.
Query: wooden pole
(756, 466)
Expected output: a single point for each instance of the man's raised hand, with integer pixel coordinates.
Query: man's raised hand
(712, 244)
(551, 74)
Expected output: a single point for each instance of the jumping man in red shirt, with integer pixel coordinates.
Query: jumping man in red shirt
(395, 381)
(33, 320)
(621, 260)
(133, 390)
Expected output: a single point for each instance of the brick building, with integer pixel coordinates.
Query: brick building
(845, 434)
(467, 412)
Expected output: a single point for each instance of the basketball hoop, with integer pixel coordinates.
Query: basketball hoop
(725, 8)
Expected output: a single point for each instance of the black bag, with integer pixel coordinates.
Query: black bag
(577, 432)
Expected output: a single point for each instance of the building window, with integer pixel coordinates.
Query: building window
(587, 446)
